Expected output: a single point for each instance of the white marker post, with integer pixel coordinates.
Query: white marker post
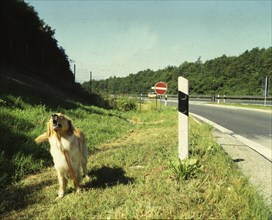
(183, 108)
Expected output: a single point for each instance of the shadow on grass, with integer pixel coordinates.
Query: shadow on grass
(107, 177)
(16, 198)
(19, 154)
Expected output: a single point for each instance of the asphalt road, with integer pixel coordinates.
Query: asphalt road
(234, 101)
(253, 125)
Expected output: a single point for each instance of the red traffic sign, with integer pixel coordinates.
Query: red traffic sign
(160, 88)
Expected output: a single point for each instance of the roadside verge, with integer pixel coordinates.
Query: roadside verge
(251, 158)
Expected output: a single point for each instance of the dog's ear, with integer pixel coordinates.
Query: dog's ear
(45, 136)
(49, 128)
(42, 138)
(70, 127)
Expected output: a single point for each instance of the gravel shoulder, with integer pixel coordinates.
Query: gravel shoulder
(257, 168)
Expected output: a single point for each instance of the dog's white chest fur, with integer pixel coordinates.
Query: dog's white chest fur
(57, 147)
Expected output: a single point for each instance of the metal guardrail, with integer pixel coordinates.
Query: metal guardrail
(210, 98)
(245, 97)
(214, 97)
(255, 100)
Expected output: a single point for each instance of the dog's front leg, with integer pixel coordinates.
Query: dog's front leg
(62, 185)
(77, 179)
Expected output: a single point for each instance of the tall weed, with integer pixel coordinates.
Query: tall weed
(186, 169)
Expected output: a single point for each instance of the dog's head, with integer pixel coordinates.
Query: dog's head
(60, 124)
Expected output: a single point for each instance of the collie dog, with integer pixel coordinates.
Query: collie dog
(68, 149)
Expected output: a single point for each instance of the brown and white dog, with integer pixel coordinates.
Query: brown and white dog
(68, 149)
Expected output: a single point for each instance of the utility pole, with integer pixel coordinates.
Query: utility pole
(27, 52)
(42, 59)
(265, 88)
(91, 82)
(75, 71)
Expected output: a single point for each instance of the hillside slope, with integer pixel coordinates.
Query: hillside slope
(34, 89)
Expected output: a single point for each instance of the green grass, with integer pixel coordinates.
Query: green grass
(21, 122)
(134, 170)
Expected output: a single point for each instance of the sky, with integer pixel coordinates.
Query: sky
(117, 38)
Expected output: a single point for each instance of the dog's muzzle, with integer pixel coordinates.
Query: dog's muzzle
(56, 124)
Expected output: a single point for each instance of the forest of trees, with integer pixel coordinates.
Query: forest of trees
(28, 42)
(241, 75)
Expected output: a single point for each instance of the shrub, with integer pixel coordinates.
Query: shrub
(126, 104)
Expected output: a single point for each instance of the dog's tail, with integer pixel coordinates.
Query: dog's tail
(42, 138)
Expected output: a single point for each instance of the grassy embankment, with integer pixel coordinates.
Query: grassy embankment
(133, 166)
